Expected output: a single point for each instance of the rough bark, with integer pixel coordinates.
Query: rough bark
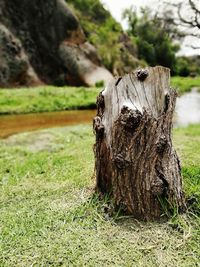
(135, 160)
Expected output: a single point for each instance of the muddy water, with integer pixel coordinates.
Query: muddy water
(12, 124)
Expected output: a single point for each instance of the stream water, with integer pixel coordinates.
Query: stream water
(187, 111)
(12, 124)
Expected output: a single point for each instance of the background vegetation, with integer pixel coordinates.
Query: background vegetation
(47, 98)
(185, 84)
(153, 38)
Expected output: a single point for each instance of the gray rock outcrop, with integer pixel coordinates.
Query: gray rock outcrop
(42, 42)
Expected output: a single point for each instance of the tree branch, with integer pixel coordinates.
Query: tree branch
(193, 35)
(193, 47)
(193, 6)
(188, 22)
(196, 21)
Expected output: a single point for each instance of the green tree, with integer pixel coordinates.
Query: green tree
(188, 66)
(153, 38)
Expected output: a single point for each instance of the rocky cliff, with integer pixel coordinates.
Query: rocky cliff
(117, 51)
(42, 42)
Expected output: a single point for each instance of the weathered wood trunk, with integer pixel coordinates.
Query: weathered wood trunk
(135, 161)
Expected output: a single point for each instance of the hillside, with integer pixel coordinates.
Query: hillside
(53, 42)
(114, 46)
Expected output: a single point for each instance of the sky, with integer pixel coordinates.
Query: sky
(116, 8)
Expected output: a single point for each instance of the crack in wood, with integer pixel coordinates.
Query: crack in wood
(144, 90)
(131, 79)
(118, 80)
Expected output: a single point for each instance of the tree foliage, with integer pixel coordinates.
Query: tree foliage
(91, 8)
(153, 38)
(188, 66)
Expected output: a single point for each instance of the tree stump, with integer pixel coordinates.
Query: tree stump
(135, 161)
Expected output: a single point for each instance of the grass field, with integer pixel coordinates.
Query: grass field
(185, 84)
(48, 218)
(46, 98)
(49, 98)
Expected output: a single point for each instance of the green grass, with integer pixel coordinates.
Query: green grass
(187, 141)
(49, 98)
(185, 84)
(46, 98)
(48, 218)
